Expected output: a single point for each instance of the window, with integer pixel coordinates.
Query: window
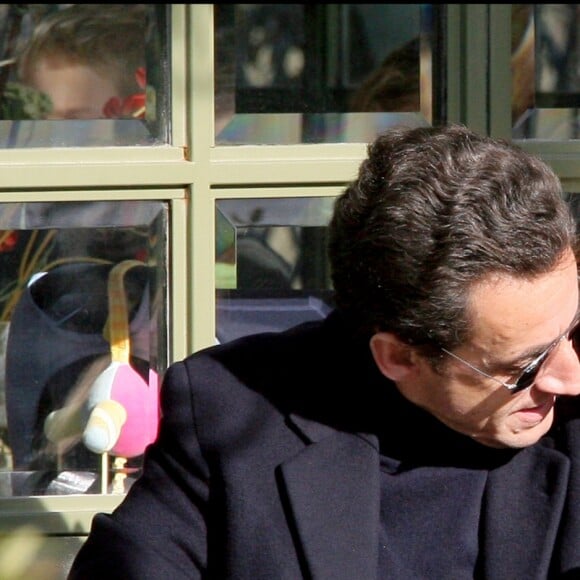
(298, 73)
(83, 75)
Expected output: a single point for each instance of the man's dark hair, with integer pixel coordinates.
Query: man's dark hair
(432, 212)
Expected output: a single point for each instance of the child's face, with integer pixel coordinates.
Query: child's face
(77, 91)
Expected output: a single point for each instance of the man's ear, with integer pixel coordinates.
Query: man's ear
(395, 358)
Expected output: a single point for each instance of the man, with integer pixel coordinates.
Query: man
(428, 428)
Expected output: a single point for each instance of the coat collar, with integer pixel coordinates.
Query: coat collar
(333, 490)
(523, 506)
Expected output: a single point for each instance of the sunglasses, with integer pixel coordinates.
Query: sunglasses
(530, 372)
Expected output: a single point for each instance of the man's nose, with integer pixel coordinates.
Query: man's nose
(560, 374)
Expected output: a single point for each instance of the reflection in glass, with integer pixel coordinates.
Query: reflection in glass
(573, 200)
(545, 65)
(83, 343)
(81, 62)
(271, 264)
(299, 73)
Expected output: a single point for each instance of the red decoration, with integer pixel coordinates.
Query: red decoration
(8, 242)
(131, 107)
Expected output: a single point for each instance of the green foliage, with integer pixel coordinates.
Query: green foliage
(22, 102)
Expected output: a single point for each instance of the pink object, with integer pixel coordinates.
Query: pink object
(122, 383)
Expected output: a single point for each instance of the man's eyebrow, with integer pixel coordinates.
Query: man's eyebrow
(535, 351)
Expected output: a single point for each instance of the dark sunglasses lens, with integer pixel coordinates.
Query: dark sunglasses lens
(528, 376)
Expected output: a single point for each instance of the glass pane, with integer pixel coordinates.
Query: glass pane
(545, 71)
(310, 73)
(75, 75)
(271, 264)
(82, 336)
(573, 200)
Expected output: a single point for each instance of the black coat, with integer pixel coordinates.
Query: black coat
(267, 467)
